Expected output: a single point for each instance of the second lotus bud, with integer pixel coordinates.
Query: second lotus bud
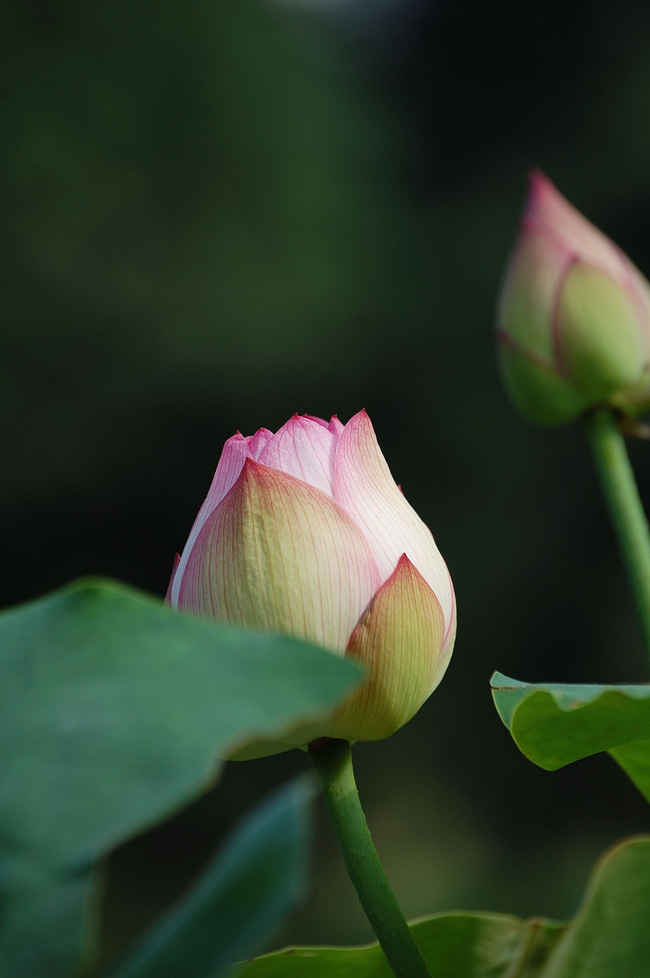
(574, 316)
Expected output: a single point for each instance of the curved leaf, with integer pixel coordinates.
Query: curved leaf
(610, 937)
(554, 725)
(468, 945)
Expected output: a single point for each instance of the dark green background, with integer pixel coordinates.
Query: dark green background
(217, 214)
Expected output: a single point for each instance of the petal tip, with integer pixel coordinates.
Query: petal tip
(360, 421)
(251, 467)
(538, 181)
(404, 564)
(543, 198)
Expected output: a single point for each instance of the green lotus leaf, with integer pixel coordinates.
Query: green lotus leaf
(554, 725)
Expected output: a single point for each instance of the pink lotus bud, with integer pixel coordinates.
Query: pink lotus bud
(305, 532)
(574, 316)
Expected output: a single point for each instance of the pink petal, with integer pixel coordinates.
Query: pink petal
(333, 425)
(367, 492)
(279, 555)
(168, 596)
(233, 456)
(305, 449)
(450, 636)
(529, 294)
(258, 441)
(312, 417)
(548, 209)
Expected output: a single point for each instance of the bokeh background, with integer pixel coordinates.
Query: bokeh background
(216, 214)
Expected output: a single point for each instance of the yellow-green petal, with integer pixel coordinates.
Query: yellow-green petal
(600, 336)
(542, 395)
(399, 639)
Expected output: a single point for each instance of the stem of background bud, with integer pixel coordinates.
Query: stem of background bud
(332, 760)
(625, 507)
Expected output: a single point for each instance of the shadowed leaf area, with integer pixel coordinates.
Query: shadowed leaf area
(257, 877)
(114, 712)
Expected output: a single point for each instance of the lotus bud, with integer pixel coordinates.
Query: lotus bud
(305, 532)
(574, 316)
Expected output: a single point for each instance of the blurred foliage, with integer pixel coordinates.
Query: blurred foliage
(608, 937)
(217, 214)
(255, 881)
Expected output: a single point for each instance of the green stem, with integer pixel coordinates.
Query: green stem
(332, 760)
(625, 507)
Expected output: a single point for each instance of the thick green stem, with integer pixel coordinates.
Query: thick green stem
(625, 507)
(332, 760)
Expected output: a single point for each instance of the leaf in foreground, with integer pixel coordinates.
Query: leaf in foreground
(114, 711)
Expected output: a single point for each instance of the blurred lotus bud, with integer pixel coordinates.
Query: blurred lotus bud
(305, 532)
(574, 316)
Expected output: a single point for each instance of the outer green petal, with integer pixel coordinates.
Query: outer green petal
(399, 639)
(635, 400)
(540, 394)
(278, 555)
(600, 336)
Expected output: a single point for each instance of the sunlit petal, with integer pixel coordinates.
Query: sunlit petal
(234, 454)
(304, 448)
(278, 555)
(400, 640)
(366, 490)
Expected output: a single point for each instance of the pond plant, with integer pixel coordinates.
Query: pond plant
(311, 609)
